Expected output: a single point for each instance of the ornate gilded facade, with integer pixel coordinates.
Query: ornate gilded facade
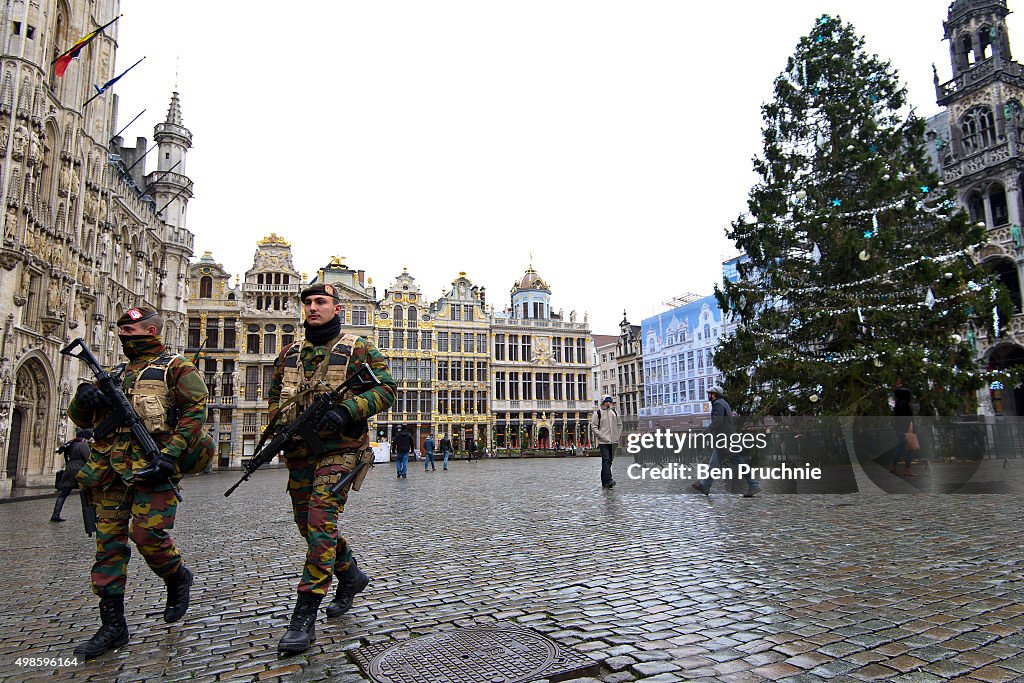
(462, 360)
(405, 335)
(84, 236)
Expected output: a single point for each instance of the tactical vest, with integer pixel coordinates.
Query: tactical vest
(296, 391)
(151, 398)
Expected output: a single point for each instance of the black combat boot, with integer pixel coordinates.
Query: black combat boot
(302, 629)
(178, 585)
(350, 582)
(113, 632)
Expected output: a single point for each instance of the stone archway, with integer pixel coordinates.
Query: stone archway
(33, 403)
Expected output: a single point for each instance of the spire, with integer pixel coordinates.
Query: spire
(174, 110)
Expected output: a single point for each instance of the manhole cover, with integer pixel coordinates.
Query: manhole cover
(496, 654)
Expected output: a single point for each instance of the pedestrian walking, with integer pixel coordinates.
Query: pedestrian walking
(470, 448)
(608, 427)
(723, 422)
(75, 453)
(403, 446)
(324, 357)
(135, 498)
(428, 454)
(903, 426)
(446, 450)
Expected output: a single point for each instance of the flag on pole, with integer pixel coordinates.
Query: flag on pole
(100, 89)
(64, 60)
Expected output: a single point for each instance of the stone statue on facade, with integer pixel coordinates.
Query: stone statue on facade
(20, 141)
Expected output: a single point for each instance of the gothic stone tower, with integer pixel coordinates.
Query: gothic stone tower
(979, 147)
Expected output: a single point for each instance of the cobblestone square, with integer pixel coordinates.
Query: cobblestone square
(655, 586)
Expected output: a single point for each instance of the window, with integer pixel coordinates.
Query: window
(411, 343)
(194, 333)
(442, 342)
(556, 349)
(467, 341)
(456, 342)
(581, 386)
(557, 384)
(270, 342)
(383, 339)
(499, 386)
(427, 340)
(538, 310)
(227, 378)
(230, 340)
(212, 333)
(268, 375)
(210, 376)
(581, 351)
(399, 339)
(481, 371)
(525, 348)
(442, 402)
(398, 316)
(206, 287)
(513, 386)
(359, 315)
(527, 386)
(499, 347)
(543, 386)
(456, 311)
(413, 317)
(252, 343)
(469, 313)
(456, 370)
(978, 129)
(252, 382)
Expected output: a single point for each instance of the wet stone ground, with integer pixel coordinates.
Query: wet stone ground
(655, 584)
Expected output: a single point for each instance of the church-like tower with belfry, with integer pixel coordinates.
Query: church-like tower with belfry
(977, 143)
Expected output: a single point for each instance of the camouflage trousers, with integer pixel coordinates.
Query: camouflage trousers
(315, 510)
(138, 513)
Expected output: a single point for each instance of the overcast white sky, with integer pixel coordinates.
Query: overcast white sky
(611, 138)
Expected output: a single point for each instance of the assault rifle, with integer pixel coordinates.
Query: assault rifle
(304, 426)
(121, 412)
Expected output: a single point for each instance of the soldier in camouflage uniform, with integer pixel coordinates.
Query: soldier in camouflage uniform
(134, 498)
(324, 359)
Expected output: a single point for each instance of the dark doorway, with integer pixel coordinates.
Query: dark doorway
(14, 446)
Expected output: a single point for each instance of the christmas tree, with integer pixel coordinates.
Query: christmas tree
(857, 269)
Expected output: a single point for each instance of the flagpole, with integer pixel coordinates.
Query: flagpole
(108, 84)
(126, 126)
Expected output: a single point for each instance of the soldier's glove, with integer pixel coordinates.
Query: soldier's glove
(90, 398)
(160, 469)
(334, 420)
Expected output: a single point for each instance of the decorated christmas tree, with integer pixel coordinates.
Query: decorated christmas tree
(857, 270)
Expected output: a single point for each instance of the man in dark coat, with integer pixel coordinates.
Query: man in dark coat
(75, 453)
(446, 449)
(403, 447)
(723, 422)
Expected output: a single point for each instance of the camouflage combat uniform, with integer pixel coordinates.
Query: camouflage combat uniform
(314, 507)
(126, 508)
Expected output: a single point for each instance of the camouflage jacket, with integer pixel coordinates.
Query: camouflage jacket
(359, 407)
(118, 452)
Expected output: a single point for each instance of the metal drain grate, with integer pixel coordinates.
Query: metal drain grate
(495, 654)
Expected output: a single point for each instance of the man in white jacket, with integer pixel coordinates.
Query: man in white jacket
(608, 427)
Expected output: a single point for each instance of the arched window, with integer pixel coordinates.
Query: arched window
(976, 207)
(997, 200)
(984, 43)
(978, 127)
(398, 315)
(412, 316)
(206, 287)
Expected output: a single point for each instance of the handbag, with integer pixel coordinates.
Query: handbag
(56, 479)
(913, 444)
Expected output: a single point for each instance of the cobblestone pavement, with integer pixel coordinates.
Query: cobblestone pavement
(654, 586)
